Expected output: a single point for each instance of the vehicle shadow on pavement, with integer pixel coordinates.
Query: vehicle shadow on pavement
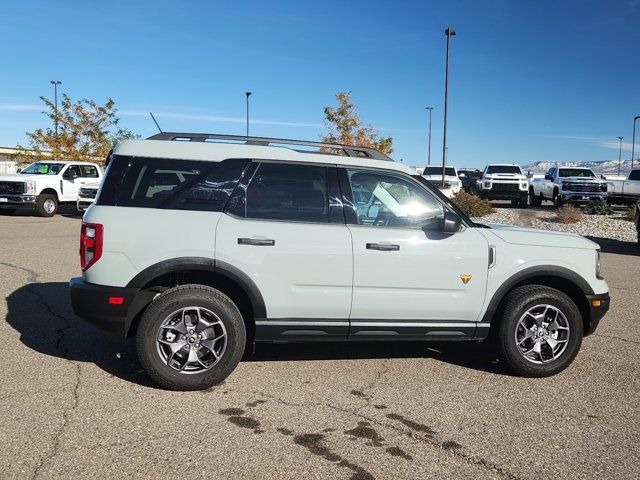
(608, 245)
(41, 313)
(472, 355)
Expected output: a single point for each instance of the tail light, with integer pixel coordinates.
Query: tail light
(91, 238)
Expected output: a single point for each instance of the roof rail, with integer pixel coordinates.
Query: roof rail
(348, 150)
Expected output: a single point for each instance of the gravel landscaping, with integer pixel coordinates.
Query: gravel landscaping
(613, 227)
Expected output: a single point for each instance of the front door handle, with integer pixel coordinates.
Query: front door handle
(261, 242)
(384, 247)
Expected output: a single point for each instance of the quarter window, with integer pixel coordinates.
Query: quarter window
(296, 193)
(634, 175)
(387, 200)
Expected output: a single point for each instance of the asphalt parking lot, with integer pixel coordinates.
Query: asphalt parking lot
(75, 403)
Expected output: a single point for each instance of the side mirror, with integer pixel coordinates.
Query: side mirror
(452, 223)
(18, 170)
(548, 177)
(70, 175)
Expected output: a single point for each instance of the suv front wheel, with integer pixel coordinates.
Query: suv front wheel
(190, 338)
(540, 332)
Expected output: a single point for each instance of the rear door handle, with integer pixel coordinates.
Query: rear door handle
(260, 242)
(384, 247)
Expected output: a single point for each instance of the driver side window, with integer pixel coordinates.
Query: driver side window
(388, 200)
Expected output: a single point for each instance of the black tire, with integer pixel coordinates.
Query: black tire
(557, 201)
(44, 207)
(524, 201)
(171, 301)
(534, 201)
(519, 301)
(7, 211)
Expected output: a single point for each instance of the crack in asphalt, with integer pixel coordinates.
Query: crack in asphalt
(32, 278)
(426, 439)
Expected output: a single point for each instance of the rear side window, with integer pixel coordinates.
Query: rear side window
(89, 171)
(634, 175)
(169, 183)
(287, 192)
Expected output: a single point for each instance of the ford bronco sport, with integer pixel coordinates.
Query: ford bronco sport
(198, 247)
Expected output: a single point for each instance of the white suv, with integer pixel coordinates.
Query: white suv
(200, 247)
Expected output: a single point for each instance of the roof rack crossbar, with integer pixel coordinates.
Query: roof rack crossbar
(348, 150)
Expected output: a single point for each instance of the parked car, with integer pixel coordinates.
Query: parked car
(87, 195)
(469, 178)
(45, 185)
(627, 191)
(504, 182)
(248, 242)
(451, 179)
(567, 185)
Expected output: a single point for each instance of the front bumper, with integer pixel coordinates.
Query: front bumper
(93, 303)
(16, 200)
(581, 197)
(496, 193)
(598, 307)
(83, 204)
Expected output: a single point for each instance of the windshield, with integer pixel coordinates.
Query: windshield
(449, 171)
(504, 169)
(43, 168)
(576, 172)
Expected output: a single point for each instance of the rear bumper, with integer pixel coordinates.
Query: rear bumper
(598, 307)
(93, 303)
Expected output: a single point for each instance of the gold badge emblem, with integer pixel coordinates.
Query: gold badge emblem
(465, 278)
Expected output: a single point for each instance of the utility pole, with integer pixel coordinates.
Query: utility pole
(55, 84)
(633, 138)
(247, 94)
(449, 32)
(620, 155)
(429, 154)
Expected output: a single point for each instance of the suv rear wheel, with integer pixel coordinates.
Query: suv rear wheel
(540, 332)
(190, 338)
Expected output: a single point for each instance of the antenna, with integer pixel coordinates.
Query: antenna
(155, 121)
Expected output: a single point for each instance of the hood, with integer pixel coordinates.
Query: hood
(94, 185)
(581, 179)
(20, 177)
(542, 238)
(510, 176)
(439, 177)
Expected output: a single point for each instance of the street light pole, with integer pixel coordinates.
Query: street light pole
(449, 32)
(620, 155)
(247, 94)
(55, 84)
(633, 138)
(429, 154)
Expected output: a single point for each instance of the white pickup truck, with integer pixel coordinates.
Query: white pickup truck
(504, 182)
(45, 185)
(625, 191)
(451, 179)
(567, 185)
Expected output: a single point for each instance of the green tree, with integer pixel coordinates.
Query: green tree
(344, 126)
(87, 131)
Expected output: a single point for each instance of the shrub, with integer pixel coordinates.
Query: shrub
(568, 214)
(598, 208)
(472, 205)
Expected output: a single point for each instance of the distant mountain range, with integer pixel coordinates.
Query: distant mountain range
(605, 166)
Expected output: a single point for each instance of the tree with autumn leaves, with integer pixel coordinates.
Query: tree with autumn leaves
(87, 131)
(345, 127)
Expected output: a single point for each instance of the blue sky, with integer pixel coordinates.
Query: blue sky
(529, 80)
